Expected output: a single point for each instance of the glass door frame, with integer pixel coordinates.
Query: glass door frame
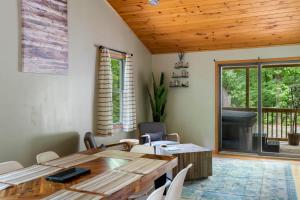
(259, 63)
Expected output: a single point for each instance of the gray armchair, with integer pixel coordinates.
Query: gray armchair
(155, 134)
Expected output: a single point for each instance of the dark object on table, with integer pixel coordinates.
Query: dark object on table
(237, 128)
(155, 134)
(68, 175)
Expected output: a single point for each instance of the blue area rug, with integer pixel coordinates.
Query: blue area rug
(235, 179)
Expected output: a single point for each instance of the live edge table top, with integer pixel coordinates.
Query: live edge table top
(40, 187)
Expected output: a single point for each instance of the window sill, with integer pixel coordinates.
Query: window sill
(117, 126)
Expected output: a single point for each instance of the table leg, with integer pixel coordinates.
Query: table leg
(160, 181)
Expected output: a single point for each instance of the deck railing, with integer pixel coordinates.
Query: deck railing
(277, 122)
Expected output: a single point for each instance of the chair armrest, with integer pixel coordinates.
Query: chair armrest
(172, 135)
(146, 136)
(125, 145)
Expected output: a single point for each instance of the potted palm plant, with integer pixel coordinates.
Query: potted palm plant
(158, 100)
(294, 135)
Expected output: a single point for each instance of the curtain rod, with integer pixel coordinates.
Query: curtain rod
(123, 52)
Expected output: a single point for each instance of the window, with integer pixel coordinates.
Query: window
(276, 83)
(117, 74)
(243, 94)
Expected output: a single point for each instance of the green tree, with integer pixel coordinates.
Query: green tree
(234, 83)
(116, 66)
(276, 83)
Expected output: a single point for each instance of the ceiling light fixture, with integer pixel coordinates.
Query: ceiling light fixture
(154, 2)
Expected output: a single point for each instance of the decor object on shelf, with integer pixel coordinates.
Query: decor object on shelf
(44, 36)
(294, 136)
(158, 100)
(183, 73)
(181, 63)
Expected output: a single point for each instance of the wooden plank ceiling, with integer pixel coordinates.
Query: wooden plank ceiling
(199, 25)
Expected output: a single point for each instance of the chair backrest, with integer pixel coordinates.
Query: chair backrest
(9, 166)
(121, 146)
(175, 188)
(46, 156)
(157, 194)
(152, 127)
(143, 149)
(89, 141)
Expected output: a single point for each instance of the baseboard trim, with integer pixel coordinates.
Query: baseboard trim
(253, 155)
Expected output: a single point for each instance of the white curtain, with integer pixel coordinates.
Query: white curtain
(104, 119)
(128, 104)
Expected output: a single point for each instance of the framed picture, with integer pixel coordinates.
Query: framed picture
(44, 36)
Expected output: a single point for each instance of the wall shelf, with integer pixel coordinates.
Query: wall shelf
(181, 67)
(180, 86)
(180, 76)
(180, 73)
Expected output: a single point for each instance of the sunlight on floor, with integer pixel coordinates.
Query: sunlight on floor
(296, 175)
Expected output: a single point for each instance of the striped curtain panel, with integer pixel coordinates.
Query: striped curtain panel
(128, 104)
(104, 119)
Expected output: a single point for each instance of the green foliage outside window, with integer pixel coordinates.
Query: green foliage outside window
(235, 84)
(276, 84)
(116, 66)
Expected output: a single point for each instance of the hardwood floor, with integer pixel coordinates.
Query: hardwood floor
(296, 174)
(256, 157)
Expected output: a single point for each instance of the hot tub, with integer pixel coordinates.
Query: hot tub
(237, 129)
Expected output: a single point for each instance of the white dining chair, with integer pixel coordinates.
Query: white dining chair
(9, 166)
(175, 189)
(157, 194)
(146, 150)
(46, 156)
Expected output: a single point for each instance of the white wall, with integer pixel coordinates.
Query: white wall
(190, 111)
(41, 112)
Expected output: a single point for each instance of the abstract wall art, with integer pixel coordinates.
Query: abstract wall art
(44, 36)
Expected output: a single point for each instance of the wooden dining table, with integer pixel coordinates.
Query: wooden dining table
(40, 188)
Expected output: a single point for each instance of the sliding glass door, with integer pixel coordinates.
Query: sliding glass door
(259, 108)
(280, 109)
(239, 114)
